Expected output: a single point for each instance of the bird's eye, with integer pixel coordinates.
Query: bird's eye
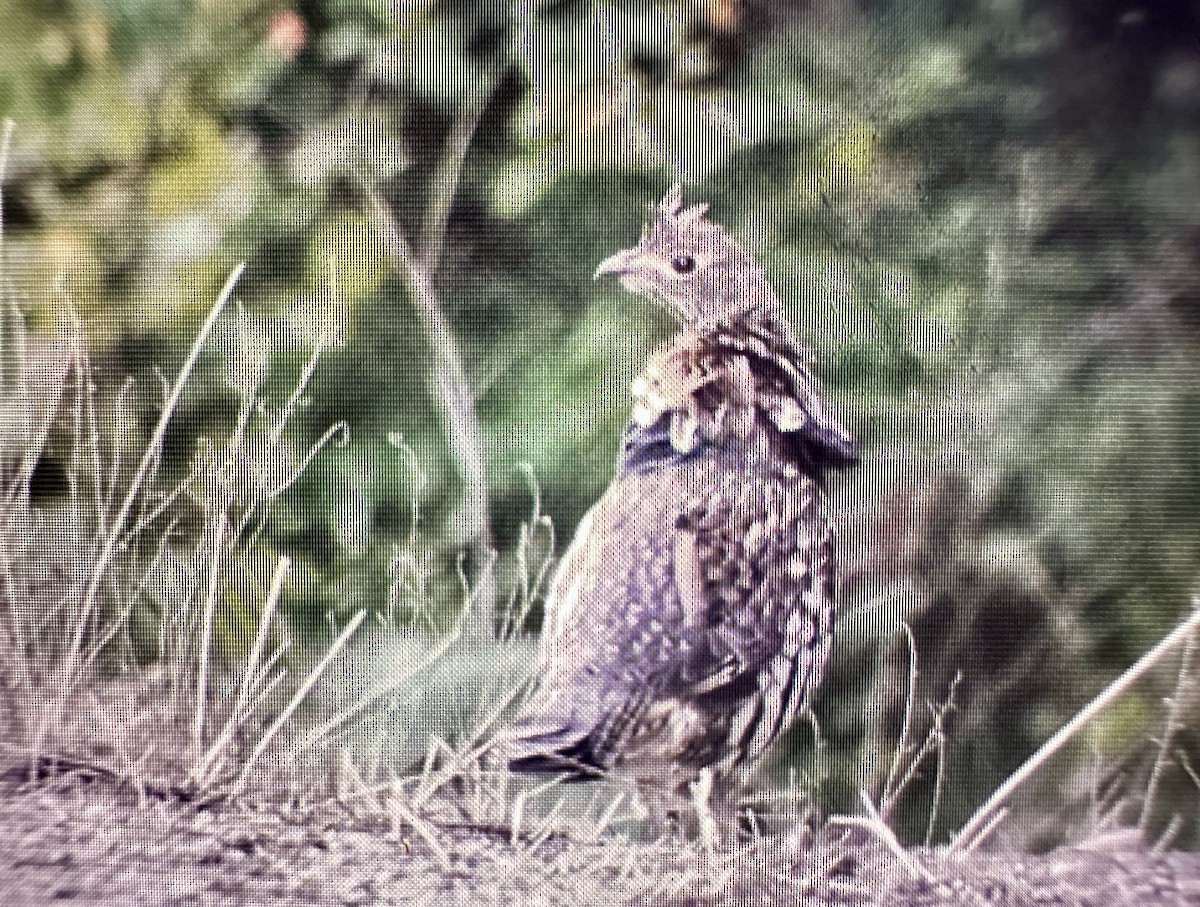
(683, 264)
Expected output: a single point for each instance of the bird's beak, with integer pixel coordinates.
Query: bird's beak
(615, 265)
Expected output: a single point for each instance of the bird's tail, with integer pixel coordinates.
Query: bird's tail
(550, 749)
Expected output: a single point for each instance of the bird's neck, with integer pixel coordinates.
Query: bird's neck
(762, 331)
(714, 383)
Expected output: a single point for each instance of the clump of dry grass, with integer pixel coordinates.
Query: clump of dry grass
(79, 570)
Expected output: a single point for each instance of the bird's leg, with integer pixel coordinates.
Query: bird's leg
(699, 808)
(701, 791)
(661, 806)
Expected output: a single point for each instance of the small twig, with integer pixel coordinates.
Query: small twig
(874, 823)
(893, 784)
(982, 816)
(1173, 723)
(909, 756)
(906, 726)
(939, 771)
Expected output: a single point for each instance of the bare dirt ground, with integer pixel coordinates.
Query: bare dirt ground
(80, 838)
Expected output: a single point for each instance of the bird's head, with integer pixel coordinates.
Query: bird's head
(691, 266)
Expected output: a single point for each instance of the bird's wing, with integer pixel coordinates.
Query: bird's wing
(567, 584)
(603, 635)
(754, 571)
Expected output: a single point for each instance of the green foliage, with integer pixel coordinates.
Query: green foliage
(994, 287)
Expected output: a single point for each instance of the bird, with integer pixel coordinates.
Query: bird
(690, 619)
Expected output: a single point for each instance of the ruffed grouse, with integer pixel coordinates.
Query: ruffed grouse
(692, 615)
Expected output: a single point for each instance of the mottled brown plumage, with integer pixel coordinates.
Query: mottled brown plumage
(692, 615)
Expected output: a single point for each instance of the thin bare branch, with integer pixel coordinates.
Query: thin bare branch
(453, 391)
(982, 817)
(447, 176)
(418, 268)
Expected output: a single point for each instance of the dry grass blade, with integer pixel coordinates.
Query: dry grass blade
(894, 783)
(406, 816)
(252, 679)
(112, 536)
(517, 817)
(875, 825)
(210, 607)
(297, 698)
(606, 818)
(323, 730)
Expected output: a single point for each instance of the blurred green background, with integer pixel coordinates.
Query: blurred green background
(984, 218)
